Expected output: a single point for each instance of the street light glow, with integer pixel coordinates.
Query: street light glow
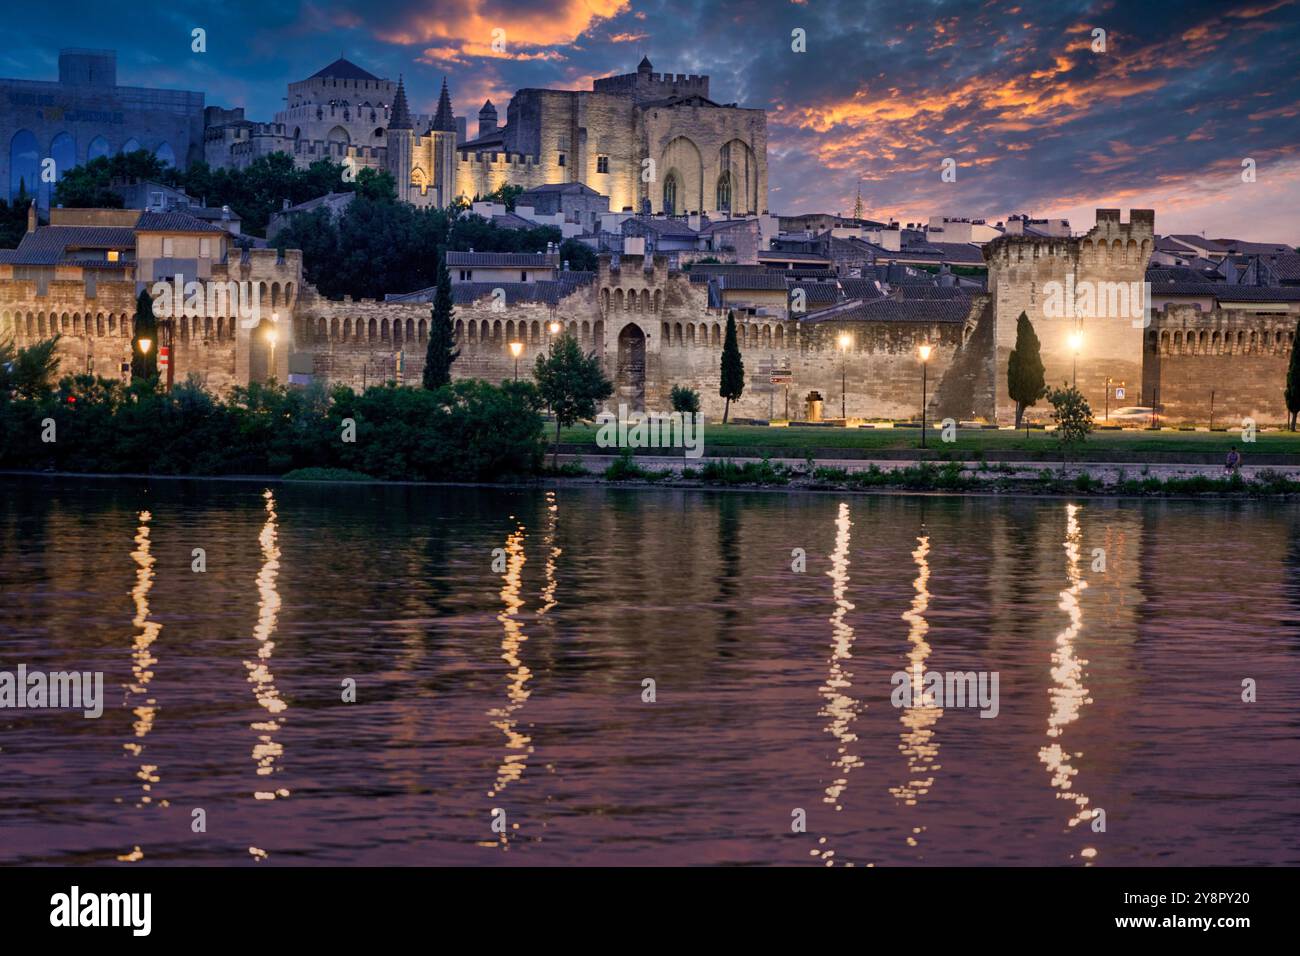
(554, 327)
(925, 353)
(845, 341)
(272, 337)
(1076, 341)
(145, 345)
(516, 349)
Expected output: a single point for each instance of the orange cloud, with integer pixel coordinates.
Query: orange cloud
(471, 24)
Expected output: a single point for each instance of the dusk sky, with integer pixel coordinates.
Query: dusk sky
(1036, 120)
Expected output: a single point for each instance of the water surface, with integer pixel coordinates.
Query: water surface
(515, 692)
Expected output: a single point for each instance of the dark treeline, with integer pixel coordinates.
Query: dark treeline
(468, 430)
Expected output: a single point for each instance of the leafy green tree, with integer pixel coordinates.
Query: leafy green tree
(685, 399)
(441, 351)
(144, 362)
(505, 194)
(1293, 379)
(1072, 414)
(733, 368)
(87, 186)
(571, 383)
(13, 218)
(580, 256)
(1025, 373)
(28, 373)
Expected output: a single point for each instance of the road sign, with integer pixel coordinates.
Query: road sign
(1119, 393)
(781, 378)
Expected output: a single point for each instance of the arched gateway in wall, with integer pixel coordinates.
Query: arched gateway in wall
(630, 379)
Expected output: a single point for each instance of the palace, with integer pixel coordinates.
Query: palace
(649, 141)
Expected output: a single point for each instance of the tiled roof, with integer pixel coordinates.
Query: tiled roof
(861, 288)
(567, 189)
(1199, 242)
(1287, 267)
(896, 310)
(548, 291)
(753, 281)
(342, 69)
(773, 256)
(1254, 248)
(49, 245)
(1229, 293)
(931, 292)
(174, 221)
(1157, 276)
(502, 260)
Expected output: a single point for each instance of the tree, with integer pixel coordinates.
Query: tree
(1072, 413)
(1025, 381)
(30, 372)
(571, 383)
(1293, 378)
(506, 195)
(580, 256)
(87, 186)
(441, 351)
(144, 364)
(733, 369)
(685, 399)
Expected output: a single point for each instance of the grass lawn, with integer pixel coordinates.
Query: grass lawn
(1137, 442)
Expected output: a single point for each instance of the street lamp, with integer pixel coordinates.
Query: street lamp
(925, 359)
(516, 349)
(145, 345)
(272, 337)
(1076, 343)
(554, 327)
(845, 340)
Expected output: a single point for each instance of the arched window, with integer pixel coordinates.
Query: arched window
(24, 164)
(724, 191)
(166, 155)
(670, 194)
(98, 147)
(131, 145)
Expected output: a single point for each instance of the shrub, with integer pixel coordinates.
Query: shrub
(685, 399)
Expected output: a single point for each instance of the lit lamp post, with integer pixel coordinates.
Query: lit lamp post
(845, 340)
(925, 361)
(554, 327)
(272, 337)
(1076, 343)
(145, 345)
(516, 349)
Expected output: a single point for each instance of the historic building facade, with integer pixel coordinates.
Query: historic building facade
(644, 139)
(653, 327)
(86, 114)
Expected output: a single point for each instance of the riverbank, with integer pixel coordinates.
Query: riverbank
(959, 478)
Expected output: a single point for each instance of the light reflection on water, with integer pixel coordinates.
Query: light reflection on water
(520, 689)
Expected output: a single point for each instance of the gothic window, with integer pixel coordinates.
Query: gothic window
(602, 164)
(670, 194)
(724, 191)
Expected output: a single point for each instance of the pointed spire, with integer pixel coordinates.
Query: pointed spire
(443, 119)
(644, 66)
(401, 116)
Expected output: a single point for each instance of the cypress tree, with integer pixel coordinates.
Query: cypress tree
(1025, 375)
(441, 351)
(1293, 378)
(733, 369)
(145, 326)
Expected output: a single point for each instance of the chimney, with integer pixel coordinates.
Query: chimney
(31, 217)
(284, 205)
(225, 214)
